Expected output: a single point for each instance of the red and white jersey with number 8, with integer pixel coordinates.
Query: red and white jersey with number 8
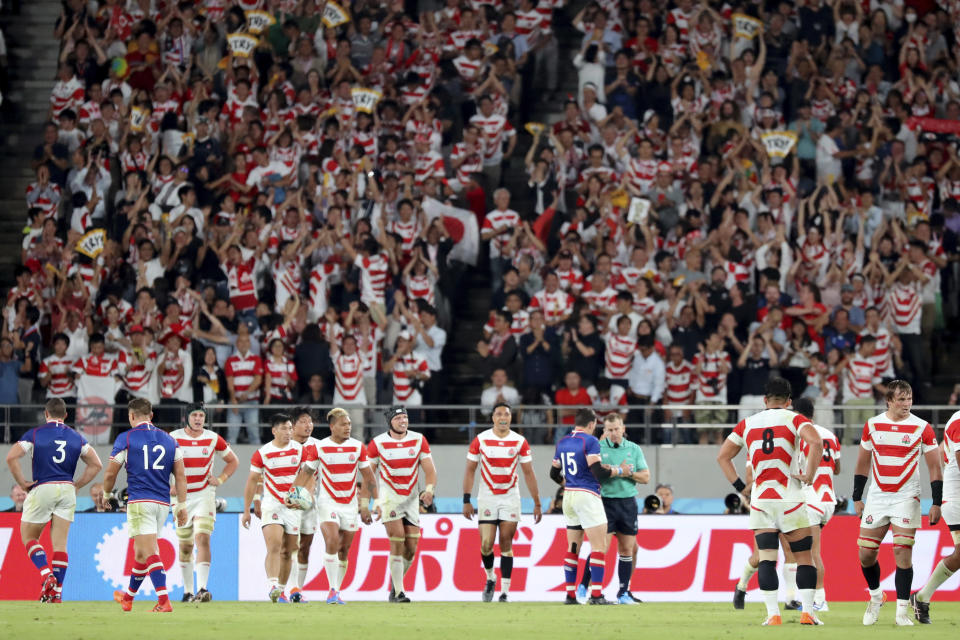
(896, 448)
(771, 440)
(822, 488)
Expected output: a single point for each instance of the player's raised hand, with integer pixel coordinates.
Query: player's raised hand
(537, 513)
(245, 520)
(468, 511)
(934, 515)
(858, 508)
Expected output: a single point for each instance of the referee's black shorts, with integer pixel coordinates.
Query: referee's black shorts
(621, 515)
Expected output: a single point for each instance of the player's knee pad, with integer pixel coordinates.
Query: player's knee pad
(397, 539)
(768, 540)
(185, 534)
(803, 544)
(413, 536)
(203, 524)
(868, 543)
(902, 540)
(767, 575)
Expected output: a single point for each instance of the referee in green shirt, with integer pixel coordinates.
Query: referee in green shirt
(619, 493)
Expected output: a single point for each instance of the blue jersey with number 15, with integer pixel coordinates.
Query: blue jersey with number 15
(572, 452)
(148, 455)
(56, 448)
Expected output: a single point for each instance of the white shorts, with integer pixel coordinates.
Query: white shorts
(905, 514)
(201, 505)
(275, 512)
(820, 512)
(583, 509)
(782, 516)
(949, 510)
(494, 509)
(309, 520)
(394, 506)
(48, 500)
(146, 518)
(345, 516)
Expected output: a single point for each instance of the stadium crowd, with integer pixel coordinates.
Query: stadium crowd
(735, 188)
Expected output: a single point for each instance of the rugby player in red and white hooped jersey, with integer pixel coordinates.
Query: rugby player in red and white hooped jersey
(303, 433)
(498, 452)
(951, 516)
(891, 447)
(772, 439)
(400, 454)
(336, 462)
(199, 447)
(275, 464)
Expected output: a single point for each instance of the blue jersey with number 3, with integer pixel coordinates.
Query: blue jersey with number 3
(572, 452)
(148, 455)
(56, 450)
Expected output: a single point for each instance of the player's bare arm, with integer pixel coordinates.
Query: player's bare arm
(13, 461)
(430, 475)
(728, 451)
(936, 483)
(180, 483)
(232, 463)
(530, 478)
(860, 479)
(808, 433)
(367, 490)
(92, 470)
(248, 492)
(469, 474)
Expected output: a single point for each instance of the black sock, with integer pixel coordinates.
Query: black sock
(767, 575)
(585, 580)
(506, 567)
(904, 582)
(872, 575)
(487, 561)
(624, 573)
(806, 576)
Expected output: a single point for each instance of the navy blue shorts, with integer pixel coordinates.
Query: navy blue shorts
(621, 515)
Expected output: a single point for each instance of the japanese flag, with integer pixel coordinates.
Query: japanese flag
(462, 227)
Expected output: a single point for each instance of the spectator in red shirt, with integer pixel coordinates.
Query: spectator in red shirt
(572, 394)
(244, 373)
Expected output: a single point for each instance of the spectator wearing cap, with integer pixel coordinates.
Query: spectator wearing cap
(498, 391)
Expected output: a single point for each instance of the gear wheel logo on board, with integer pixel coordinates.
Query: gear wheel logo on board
(111, 558)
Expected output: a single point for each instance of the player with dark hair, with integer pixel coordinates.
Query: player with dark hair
(199, 447)
(577, 461)
(777, 498)
(303, 433)
(52, 494)
(150, 457)
(498, 452)
(890, 449)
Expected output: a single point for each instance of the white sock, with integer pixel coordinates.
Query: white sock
(904, 608)
(505, 585)
(876, 594)
(186, 568)
(773, 605)
(490, 574)
(790, 580)
(820, 596)
(332, 564)
(748, 572)
(406, 564)
(301, 574)
(203, 575)
(274, 583)
(938, 577)
(396, 573)
(806, 598)
(343, 571)
(283, 587)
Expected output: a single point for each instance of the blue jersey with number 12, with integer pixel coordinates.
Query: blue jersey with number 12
(148, 455)
(56, 449)
(572, 452)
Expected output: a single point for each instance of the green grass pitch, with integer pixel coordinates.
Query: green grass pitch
(234, 621)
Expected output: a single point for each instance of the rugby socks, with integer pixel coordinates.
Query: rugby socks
(624, 573)
(332, 564)
(38, 557)
(769, 586)
(186, 568)
(748, 571)
(790, 580)
(406, 564)
(343, 571)
(203, 575)
(806, 585)
(820, 596)
(940, 575)
(487, 559)
(137, 574)
(396, 573)
(154, 566)
(301, 574)
(872, 575)
(506, 572)
(903, 580)
(596, 573)
(570, 573)
(59, 567)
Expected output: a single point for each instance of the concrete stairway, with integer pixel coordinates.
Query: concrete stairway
(32, 64)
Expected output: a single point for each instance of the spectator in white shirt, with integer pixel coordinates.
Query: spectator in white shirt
(430, 340)
(498, 391)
